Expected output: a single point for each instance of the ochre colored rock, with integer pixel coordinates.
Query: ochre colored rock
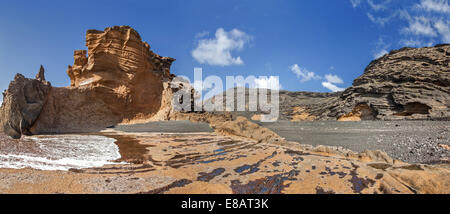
(119, 80)
(209, 163)
(116, 56)
(360, 112)
(299, 114)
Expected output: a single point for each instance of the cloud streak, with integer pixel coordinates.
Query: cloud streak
(332, 87)
(330, 79)
(303, 74)
(419, 23)
(272, 83)
(440, 6)
(218, 50)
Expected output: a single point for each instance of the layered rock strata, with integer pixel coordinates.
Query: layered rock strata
(406, 84)
(118, 79)
(410, 83)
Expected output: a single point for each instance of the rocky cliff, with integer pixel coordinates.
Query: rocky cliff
(410, 83)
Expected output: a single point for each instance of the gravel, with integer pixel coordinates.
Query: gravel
(409, 141)
(181, 126)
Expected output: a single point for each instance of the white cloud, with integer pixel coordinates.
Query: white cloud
(381, 48)
(270, 83)
(332, 78)
(201, 34)
(217, 51)
(380, 20)
(420, 26)
(380, 6)
(414, 43)
(355, 3)
(380, 53)
(440, 6)
(303, 74)
(332, 87)
(419, 23)
(444, 29)
(331, 81)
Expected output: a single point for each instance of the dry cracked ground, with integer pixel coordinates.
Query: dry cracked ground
(164, 163)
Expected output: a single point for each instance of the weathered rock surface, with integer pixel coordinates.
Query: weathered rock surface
(210, 163)
(119, 80)
(122, 81)
(410, 83)
(116, 56)
(22, 104)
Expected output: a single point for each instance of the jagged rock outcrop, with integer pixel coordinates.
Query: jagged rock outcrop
(22, 104)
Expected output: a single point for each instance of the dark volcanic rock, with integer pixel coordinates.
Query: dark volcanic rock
(410, 83)
(22, 104)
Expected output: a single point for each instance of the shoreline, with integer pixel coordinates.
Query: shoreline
(213, 163)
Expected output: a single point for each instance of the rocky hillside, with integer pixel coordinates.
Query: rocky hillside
(410, 83)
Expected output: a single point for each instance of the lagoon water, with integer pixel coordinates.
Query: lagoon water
(59, 152)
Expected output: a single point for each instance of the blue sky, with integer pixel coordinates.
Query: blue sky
(312, 45)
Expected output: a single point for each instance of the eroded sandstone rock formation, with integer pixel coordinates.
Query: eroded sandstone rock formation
(118, 79)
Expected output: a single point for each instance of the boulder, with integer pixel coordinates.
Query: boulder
(22, 104)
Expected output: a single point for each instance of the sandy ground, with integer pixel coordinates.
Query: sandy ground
(205, 162)
(409, 141)
(208, 163)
